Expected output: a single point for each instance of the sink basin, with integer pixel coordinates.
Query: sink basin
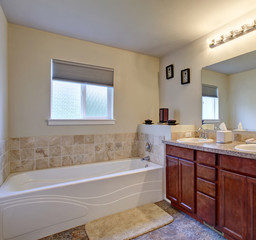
(195, 140)
(246, 147)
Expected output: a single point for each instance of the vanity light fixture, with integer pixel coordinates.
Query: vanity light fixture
(244, 29)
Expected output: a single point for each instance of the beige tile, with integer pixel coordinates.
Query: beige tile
(67, 160)
(66, 150)
(79, 139)
(127, 146)
(42, 163)
(79, 159)
(141, 136)
(67, 140)
(89, 139)
(79, 149)
(109, 146)
(42, 141)
(110, 138)
(99, 147)
(27, 153)
(119, 137)
(55, 162)
(149, 138)
(118, 146)
(14, 143)
(89, 148)
(21, 166)
(55, 151)
(109, 155)
(99, 139)
(134, 150)
(89, 157)
(99, 157)
(119, 155)
(237, 137)
(27, 142)
(14, 155)
(54, 141)
(127, 154)
(42, 152)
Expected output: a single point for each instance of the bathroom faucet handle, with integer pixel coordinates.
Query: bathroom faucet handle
(147, 158)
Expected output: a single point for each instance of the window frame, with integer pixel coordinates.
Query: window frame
(85, 120)
(212, 120)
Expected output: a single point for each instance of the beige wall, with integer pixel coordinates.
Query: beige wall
(219, 80)
(3, 77)
(30, 52)
(184, 101)
(242, 99)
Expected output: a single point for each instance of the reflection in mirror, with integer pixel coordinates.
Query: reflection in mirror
(229, 93)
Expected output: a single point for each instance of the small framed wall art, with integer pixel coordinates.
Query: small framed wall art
(169, 71)
(185, 76)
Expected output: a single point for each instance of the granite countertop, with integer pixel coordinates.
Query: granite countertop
(226, 149)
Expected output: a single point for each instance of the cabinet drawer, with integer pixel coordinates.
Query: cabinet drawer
(237, 164)
(180, 152)
(206, 208)
(206, 158)
(206, 187)
(208, 173)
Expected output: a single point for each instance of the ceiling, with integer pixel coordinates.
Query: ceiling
(152, 27)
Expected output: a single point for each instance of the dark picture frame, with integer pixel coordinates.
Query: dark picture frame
(169, 71)
(185, 76)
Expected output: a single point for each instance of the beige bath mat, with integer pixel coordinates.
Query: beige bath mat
(128, 224)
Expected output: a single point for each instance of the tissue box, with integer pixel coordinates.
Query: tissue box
(224, 136)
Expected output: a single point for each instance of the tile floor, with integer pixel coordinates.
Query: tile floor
(182, 228)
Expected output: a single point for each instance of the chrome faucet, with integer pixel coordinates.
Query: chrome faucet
(202, 132)
(147, 158)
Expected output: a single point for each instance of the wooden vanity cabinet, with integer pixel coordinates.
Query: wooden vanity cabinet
(180, 176)
(214, 188)
(237, 189)
(251, 208)
(206, 176)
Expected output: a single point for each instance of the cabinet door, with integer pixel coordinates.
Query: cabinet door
(206, 208)
(233, 210)
(172, 178)
(187, 185)
(251, 208)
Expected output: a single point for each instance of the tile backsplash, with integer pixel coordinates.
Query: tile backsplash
(32, 153)
(157, 152)
(5, 165)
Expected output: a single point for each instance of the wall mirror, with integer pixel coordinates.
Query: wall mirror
(229, 93)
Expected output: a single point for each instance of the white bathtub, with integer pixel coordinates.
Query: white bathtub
(39, 203)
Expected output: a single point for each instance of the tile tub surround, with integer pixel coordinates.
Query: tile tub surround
(155, 134)
(157, 152)
(5, 166)
(33, 153)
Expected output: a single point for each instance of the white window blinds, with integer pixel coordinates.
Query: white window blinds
(70, 71)
(209, 91)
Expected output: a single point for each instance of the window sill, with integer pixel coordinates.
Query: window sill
(77, 122)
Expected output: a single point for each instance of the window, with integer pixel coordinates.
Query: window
(81, 94)
(210, 103)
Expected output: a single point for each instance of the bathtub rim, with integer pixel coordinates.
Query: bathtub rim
(6, 194)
